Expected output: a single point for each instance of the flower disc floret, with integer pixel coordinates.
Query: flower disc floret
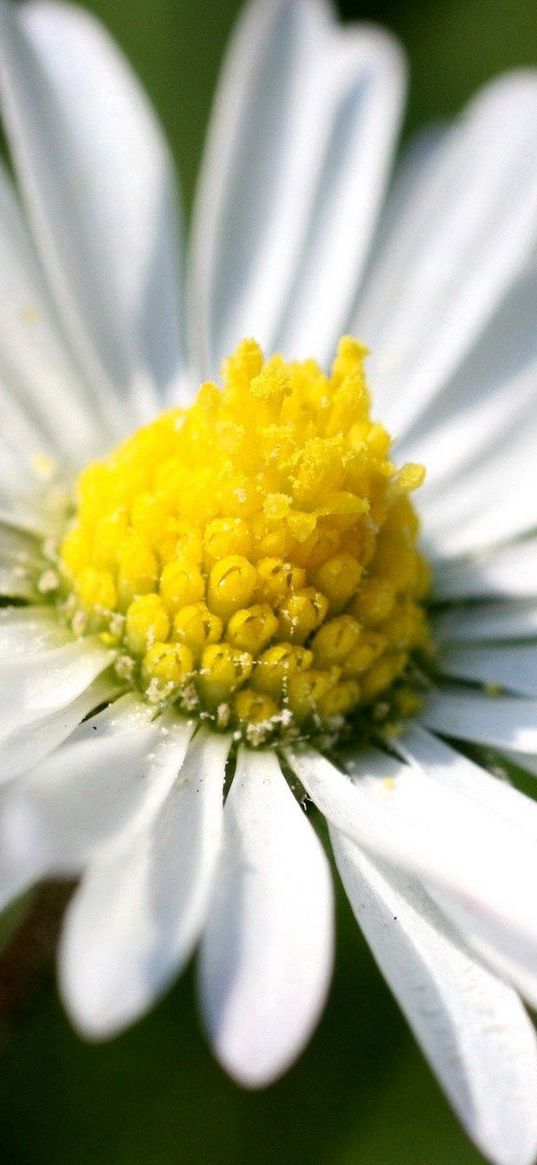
(253, 558)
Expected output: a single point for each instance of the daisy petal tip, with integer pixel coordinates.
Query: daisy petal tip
(264, 978)
(257, 1056)
(246, 1070)
(520, 1150)
(515, 84)
(384, 47)
(257, 1044)
(100, 1003)
(93, 1028)
(96, 1010)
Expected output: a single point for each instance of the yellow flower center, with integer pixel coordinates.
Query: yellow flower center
(253, 558)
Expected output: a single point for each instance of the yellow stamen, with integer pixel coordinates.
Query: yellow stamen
(254, 556)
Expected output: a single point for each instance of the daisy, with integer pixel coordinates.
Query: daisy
(233, 589)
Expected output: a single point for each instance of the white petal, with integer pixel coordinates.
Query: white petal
(266, 954)
(510, 571)
(15, 475)
(14, 585)
(34, 629)
(477, 865)
(36, 685)
(505, 665)
(19, 547)
(443, 764)
(498, 721)
(484, 404)
(294, 169)
(358, 152)
(13, 875)
(23, 508)
(471, 1026)
(503, 620)
(109, 775)
(25, 745)
(474, 436)
(20, 557)
(463, 240)
(466, 445)
(398, 227)
(140, 907)
(487, 447)
(490, 504)
(97, 180)
(45, 405)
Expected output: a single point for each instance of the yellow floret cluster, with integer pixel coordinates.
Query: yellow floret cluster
(253, 558)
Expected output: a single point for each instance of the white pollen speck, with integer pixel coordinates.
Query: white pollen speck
(79, 623)
(116, 623)
(223, 713)
(43, 466)
(50, 549)
(158, 691)
(49, 581)
(124, 666)
(189, 698)
(30, 314)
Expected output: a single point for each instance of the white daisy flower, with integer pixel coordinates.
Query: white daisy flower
(231, 596)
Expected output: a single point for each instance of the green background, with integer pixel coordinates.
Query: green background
(361, 1094)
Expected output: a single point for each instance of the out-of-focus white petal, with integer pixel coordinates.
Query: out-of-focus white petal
(15, 586)
(13, 875)
(295, 166)
(15, 476)
(29, 628)
(486, 621)
(492, 503)
(509, 571)
(25, 745)
(472, 1027)
(455, 252)
(39, 381)
(358, 152)
(110, 775)
(492, 393)
(140, 907)
(23, 504)
(266, 954)
(34, 686)
(19, 563)
(443, 764)
(498, 721)
(445, 839)
(19, 547)
(97, 180)
(507, 665)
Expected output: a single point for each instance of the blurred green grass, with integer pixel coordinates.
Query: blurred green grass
(361, 1094)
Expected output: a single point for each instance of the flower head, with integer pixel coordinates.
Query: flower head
(252, 560)
(219, 605)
